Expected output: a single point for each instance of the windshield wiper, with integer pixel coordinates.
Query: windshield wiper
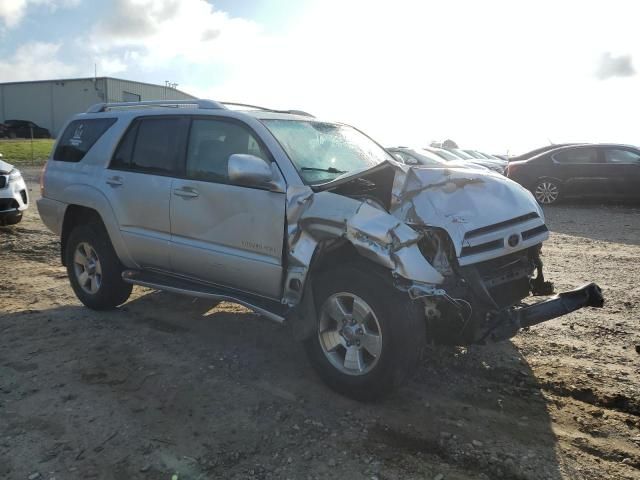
(328, 170)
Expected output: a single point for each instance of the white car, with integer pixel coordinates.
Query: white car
(14, 198)
(420, 156)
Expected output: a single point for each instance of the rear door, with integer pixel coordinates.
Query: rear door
(138, 186)
(623, 166)
(222, 233)
(582, 171)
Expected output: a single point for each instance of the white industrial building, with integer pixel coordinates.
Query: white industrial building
(50, 103)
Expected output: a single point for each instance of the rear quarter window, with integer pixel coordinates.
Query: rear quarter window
(79, 137)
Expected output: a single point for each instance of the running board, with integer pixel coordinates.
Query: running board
(268, 308)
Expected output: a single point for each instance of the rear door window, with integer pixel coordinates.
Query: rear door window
(79, 137)
(153, 145)
(577, 156)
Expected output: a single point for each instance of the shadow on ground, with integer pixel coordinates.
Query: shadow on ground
(170, 384)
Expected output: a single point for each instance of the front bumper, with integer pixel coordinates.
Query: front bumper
(506, 323)
(14, 198)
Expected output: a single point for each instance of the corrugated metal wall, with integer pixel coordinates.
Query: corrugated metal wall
(116, 89)
(51, 103)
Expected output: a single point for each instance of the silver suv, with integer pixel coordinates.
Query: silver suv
(309, 223)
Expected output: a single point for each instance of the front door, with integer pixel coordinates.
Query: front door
(138, 186)
(623, 167)
(222, 233)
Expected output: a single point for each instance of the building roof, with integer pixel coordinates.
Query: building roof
(93, 78)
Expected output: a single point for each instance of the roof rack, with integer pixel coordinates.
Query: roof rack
(256, 107)
(201, 104)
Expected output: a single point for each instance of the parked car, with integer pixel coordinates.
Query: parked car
(481, 155)
(4, 131)
(14, 199)
(495, 165)
(419, 156)
(307, 222)
(537, 151)
(582, 170)
(24, 129)
(442, 153)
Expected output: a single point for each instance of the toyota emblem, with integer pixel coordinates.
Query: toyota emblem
(513, 240)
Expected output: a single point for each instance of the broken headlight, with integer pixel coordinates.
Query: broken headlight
(436, 247)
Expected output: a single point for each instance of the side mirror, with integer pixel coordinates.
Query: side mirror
(252, 171)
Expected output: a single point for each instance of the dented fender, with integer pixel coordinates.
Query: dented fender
(314, 217)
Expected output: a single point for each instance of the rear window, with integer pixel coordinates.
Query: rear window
(79, 137)
(577, 156)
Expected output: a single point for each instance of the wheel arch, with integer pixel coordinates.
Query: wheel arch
(93, 207)
(327, 256)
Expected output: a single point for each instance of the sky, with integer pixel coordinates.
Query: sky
(500, 76)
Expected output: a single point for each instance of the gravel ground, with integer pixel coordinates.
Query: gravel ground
(170, 385)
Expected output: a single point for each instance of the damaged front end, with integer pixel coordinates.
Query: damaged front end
(485, 302)
(464, 243)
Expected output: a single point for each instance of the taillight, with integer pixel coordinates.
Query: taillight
(44, 170)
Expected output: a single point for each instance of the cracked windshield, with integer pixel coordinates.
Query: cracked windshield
(324, 151)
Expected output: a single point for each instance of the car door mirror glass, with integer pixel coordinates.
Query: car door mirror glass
(251, 171)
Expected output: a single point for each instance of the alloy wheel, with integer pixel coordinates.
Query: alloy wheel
(87, 268)
(349, 333)
(546, 192)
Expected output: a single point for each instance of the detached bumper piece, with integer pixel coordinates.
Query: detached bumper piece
(505, 324)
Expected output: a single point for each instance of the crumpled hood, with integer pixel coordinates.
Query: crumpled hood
(5, 167)
(458, 200)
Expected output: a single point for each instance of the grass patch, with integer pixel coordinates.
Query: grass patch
(21, 152)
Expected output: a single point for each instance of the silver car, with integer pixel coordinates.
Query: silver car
(307, 222)
(420, 156)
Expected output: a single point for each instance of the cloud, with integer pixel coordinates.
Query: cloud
(13, 11)
(610, 66)
(163, 30)
(35, 61)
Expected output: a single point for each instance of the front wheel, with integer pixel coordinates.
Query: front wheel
(369, 336)
(94, 269)
(547, 191)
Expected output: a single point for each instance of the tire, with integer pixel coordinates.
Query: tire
(398, 322)
(106, 289)
(547, 191)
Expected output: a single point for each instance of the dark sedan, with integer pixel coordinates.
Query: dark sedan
(26, 129)
(587, 170)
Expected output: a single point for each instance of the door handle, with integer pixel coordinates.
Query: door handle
(186, 192)
(114, 181)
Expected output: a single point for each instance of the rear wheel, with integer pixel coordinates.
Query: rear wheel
(547, 191)
(369, 336)
(94, 269)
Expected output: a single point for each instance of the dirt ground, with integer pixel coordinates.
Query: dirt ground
(168, 385)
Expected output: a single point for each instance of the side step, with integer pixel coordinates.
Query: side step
(268, 308)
